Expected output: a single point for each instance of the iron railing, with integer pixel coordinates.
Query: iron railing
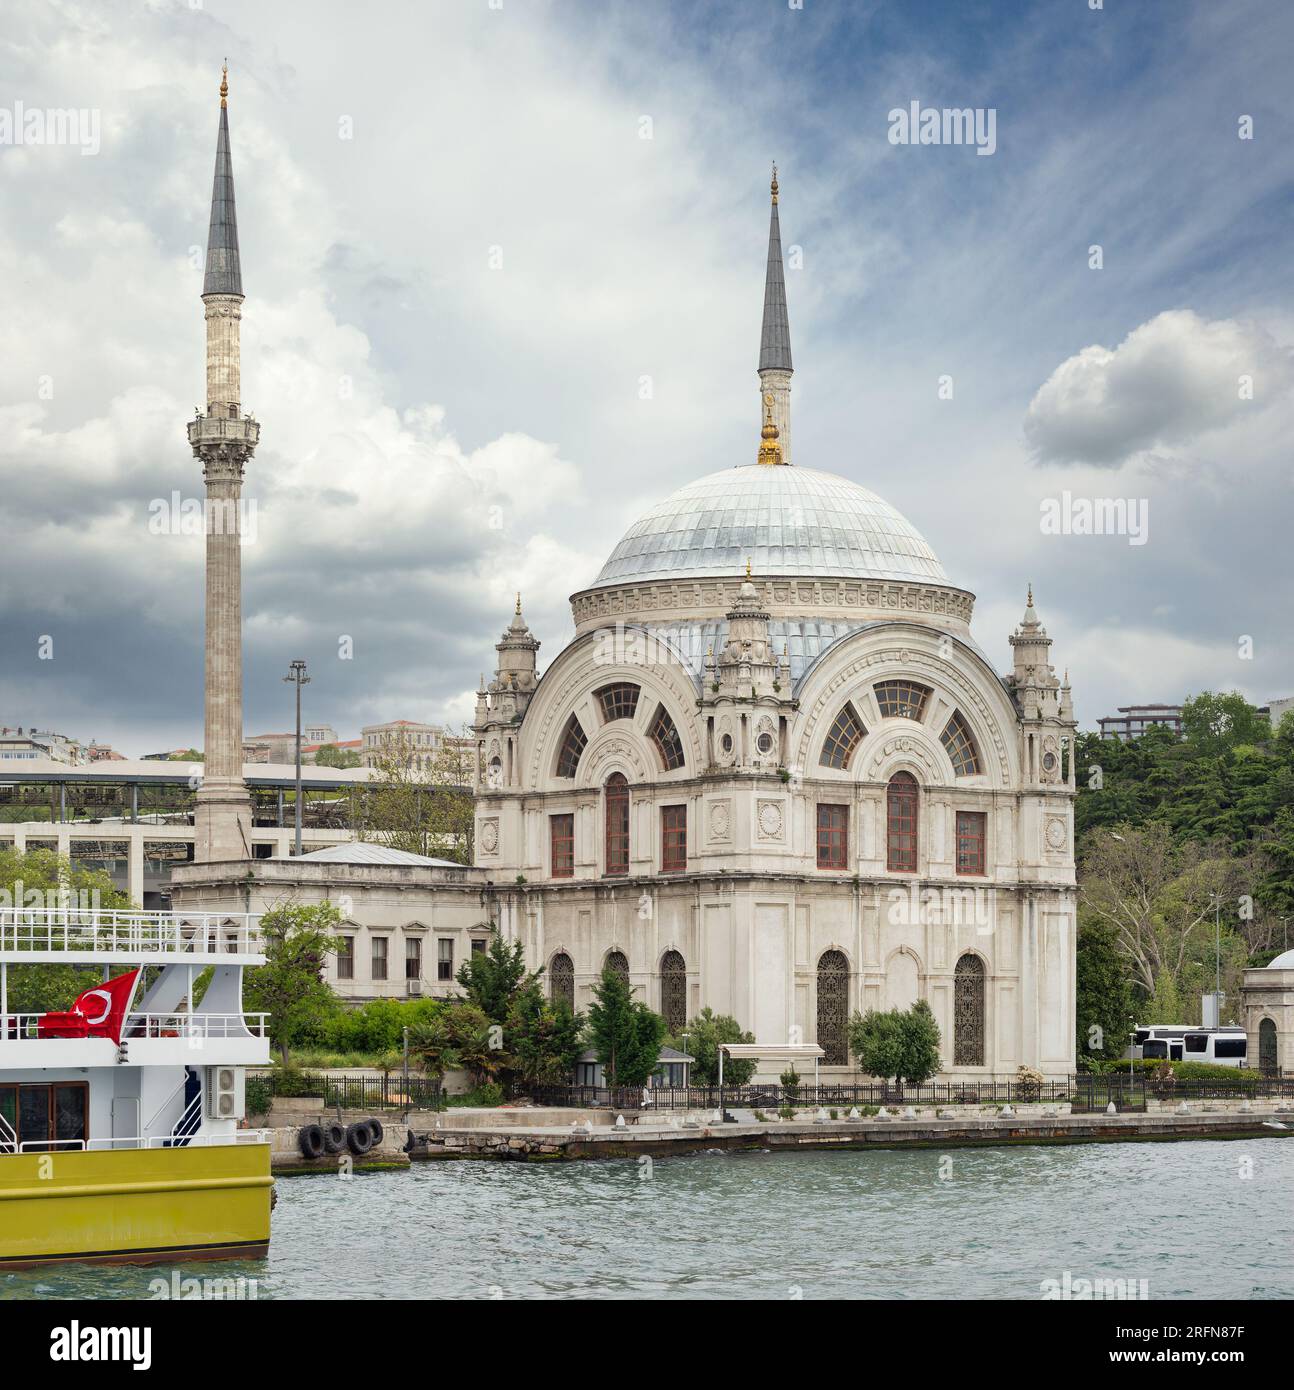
(388, 1090)
(129, 933)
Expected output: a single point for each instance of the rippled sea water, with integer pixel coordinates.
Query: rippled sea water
(981, 1223)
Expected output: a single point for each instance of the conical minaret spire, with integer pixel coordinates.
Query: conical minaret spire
(775, 368)
(223, 440)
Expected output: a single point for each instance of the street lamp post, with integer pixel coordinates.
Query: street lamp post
(297, 676)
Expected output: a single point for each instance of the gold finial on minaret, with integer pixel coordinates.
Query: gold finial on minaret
(518, 603)
(1030, 599)
(747, 566)
(772, 188)
(770, 451)
(224, 83)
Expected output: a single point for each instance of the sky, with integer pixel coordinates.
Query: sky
(503, 264)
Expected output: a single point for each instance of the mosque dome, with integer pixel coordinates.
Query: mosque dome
(786, 521)
(1285, 961)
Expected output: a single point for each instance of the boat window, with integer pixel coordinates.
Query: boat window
(44, 1113)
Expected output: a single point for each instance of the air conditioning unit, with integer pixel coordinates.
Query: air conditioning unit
(413, 988)
(226, 1093)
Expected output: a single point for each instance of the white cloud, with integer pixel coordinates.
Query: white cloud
(1170, 380)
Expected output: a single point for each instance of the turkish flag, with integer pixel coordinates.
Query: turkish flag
(104, 1007)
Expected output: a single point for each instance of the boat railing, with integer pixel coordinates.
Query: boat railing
(129, 933)
(138, 1141)
(8, 1137)
(26, 1027)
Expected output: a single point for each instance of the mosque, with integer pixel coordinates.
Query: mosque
(771, 773)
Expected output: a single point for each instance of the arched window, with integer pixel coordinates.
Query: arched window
(617, 819)
(665, 736)
(619, 701)
(573, 741)
(673, 992)
(833, 1008)
(901, 699)
(843, 737)
(968, 1012)
(561, 981)
(618, 964)
(901, 824)
(960, 746)
(1267, 1047)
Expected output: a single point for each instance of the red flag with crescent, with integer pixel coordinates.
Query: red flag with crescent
(104, 1007)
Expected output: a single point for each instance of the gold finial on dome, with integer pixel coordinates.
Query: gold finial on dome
(770, 451)
(518, 609)
(224, 83)
(747, 566)
(772, 188)
(1030, 599)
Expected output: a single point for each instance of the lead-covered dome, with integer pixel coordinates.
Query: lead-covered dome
(785, 520)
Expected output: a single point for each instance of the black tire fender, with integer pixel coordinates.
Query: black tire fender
(376, 1130)
(359, 1138)
(334, 1137)
(310, 1140)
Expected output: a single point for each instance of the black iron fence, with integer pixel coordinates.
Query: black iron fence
(382, 1090)
(1086, 1092)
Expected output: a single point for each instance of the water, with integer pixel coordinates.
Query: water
(827, 1225)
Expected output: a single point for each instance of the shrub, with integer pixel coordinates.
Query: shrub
(260, 1095)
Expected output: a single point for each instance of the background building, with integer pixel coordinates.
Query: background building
(1133, 720)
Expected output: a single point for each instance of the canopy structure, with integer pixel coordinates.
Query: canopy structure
(777, 1052)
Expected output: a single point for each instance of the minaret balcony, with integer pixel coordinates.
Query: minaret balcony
(211, 432)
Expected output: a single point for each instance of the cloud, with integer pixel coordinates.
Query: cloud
(1175, 378)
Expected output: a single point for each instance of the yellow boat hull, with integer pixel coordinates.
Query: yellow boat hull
(135, 1206)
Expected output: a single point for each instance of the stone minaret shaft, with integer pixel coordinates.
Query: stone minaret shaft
(223, 440)
(775, 336)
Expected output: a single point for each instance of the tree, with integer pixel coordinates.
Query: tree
(898, 1043)
(1104, 993)
(290, 986)
(493, 978)
(420, 800)
(704, 1034)
(431, 1041)
(1214, 724)
(329, 755)
(475, 1041)
(543, 1038)
(624, 1032)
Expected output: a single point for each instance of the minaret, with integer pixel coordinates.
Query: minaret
(223, 440)
(775, 337)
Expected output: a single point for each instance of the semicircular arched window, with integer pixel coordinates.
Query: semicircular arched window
(561, 980)
(968, 1012)
(617, 825)
(618, 964)
(573, 741)
(901, 824)
(845, 734)
(901, 699)
(833, 1008)
(673, 992)
(618, 701)
(959, 744)
(666, 738)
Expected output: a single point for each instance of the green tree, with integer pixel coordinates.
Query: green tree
(290, 986)
(431, 1042)
(1214, 723)
(329, 755)
(898, 1043)
(493, 978)
(544, 1039)
(419, 800)
(624, 1032)
(704, 1034)
(1104, 993)
(476, 1041)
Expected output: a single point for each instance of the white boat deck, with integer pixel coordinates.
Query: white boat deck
(44, 936)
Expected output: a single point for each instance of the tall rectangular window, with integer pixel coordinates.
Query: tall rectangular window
(833, 836)
(617, 824)
(561, 843)
(379, 957)
(445, 958)
(971, 835)
(346, 959)
(673, 835)
(413, 958)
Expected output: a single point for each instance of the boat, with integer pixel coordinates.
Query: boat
(122, 1120)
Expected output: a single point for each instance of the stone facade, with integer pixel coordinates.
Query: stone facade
(1267, 997)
